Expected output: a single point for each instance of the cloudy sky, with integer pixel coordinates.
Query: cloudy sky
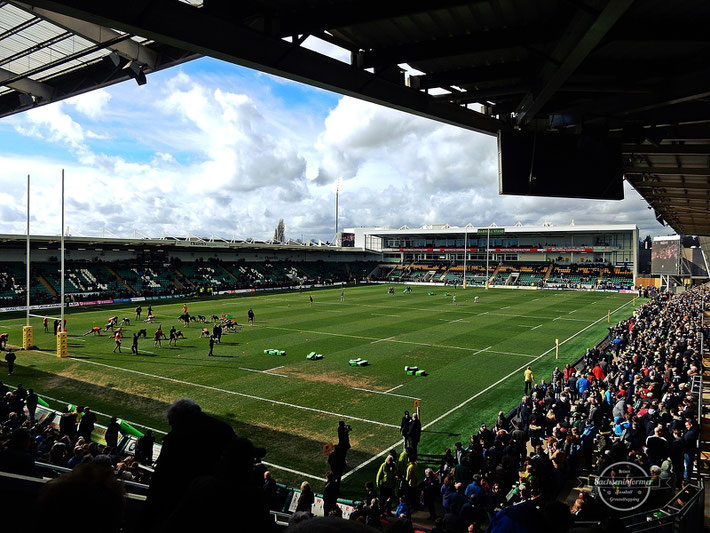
(212, 148)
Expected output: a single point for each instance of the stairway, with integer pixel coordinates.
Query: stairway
(550, 268)
(119, 278)
(229, 273)
(46, 284)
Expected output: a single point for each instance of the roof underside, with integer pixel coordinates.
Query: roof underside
(635, 70)
(46, 56)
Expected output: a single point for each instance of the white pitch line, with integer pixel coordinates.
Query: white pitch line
(535, 327)
(512, 353)
(518, 316)
(275, 368)
(573, 311)
(234, 393)
(501, 380)
(382, 340)
(506, 307)
(321, 333)
(386, 393)
(524, 326)
(375, 339)
(395, 388)
(263, 372)
(294, 471)
(376, 314)
(457, 320)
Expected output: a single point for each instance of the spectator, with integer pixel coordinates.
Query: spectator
(387, 483)
(306, 498)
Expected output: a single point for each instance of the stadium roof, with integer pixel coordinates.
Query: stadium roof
(46, 56)
(192, 242)
(635, 70)
(445, 229)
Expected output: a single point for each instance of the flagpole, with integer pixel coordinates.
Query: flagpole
(61, 326)
(28, 253)
(465, 254)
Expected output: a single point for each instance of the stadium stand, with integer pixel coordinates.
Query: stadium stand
(634, 397)
(12, 281)
(123, 279)
(568, 276)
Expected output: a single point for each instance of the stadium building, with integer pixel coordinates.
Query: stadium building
(602, 257)
(101, 269)
(574, 256)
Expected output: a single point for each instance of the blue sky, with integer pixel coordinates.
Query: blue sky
(212, 148)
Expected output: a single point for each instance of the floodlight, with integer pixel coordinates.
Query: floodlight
(135, 71)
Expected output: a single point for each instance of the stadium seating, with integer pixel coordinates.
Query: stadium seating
(563, 431)
(12, 281)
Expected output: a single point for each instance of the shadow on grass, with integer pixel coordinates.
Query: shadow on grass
(450, 434)
(284, 448)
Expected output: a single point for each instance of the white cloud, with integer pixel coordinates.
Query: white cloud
(51, 123)
(199, 153)
(91, 104)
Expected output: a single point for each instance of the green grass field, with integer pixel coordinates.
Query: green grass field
(474, 353)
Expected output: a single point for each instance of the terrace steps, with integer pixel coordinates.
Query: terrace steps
(47, 285)
(229, 273)
(119, 278)
(550, 268)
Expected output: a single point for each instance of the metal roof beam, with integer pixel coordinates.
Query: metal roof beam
(128, 48)
(668, 171)
(472, 76)
(484, 41)
(26, 85)
(93, 75)
(571, 51)
(655, 193)
(17, 29)
(661, 185)
(322, 17)
(183, 26)
(667, 149)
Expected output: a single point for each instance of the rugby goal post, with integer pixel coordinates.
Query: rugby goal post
(27, 330)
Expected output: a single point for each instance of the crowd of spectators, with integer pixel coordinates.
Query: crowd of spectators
(26, 441)
(628, 399)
